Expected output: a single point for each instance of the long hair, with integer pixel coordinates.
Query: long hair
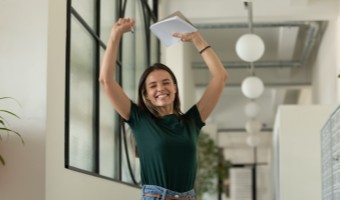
(144, 103)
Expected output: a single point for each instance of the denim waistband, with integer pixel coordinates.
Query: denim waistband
(153, 189)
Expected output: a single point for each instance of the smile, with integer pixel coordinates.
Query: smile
(162, 95)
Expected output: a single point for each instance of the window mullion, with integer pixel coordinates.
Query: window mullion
(96, 117)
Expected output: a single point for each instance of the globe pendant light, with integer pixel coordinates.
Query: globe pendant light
(252, 87)
(252, 109)
(253, 140)
(250, 47)
(253, 126)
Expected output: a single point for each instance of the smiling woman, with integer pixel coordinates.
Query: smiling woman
(166, 138)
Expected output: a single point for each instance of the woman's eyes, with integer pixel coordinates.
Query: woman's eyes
(164, 83)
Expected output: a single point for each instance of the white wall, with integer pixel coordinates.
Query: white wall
(337, 42)
(23, 50)
(178, 58)
(60, 182)
(29, 50)
(325, 87)
(297, 151)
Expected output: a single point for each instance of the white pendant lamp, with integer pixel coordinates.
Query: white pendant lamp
(253, 140)
(252, 87)
(253, 126)
(252, 109)
(250, 47)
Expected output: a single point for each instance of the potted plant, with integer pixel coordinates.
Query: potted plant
(211, 167)
(4, 126)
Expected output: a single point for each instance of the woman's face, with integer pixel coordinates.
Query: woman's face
(160, 88)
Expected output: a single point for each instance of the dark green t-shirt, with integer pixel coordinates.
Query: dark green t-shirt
(167, 147)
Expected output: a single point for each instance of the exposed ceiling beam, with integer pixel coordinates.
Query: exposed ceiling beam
(287, 41)
(242, 65)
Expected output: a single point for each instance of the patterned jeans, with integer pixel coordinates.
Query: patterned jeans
(153, 192)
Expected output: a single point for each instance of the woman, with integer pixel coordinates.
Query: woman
(166, 138)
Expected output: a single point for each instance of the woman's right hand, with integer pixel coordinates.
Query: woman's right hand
(123, 25)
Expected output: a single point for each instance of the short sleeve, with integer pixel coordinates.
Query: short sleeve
(194, 114)
(134, 114)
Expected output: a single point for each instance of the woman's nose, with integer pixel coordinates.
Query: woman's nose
(160, 87)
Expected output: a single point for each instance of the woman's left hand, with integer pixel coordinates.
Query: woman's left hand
(187, 37)
(194, 37)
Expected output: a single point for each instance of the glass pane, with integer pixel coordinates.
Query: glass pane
(108, 118)
(141, 47)
(128, 82)
(129, 54)
(150, 3)
(108, 17)
(108, 137)
(86, 9)
(132, 156)
(133, 61)
(154, 48)
(81, 97)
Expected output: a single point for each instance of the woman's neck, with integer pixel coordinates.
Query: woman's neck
(165, 110)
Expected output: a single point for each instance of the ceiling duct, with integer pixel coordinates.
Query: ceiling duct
(311, 30)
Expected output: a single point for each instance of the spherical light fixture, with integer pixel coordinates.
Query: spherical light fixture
(252, 109)
(253, 126)
(253, 140)
(250, 47)
(252, 87)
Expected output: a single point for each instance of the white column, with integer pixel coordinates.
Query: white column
(178, 58)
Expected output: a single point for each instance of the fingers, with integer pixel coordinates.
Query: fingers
(125, 24)
(185, 37)
(122, 21)
(178, 35)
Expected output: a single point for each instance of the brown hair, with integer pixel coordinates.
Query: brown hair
(145, 104)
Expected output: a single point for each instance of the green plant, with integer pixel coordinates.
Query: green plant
(4, 126)
(211, 167)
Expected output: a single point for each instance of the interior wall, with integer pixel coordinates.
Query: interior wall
(23, 47)
(178, 59)
(62, 183)
(337, 42)
(325, 82)
(297, 162)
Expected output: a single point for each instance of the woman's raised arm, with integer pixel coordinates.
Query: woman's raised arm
(113, 90)
(219, 75)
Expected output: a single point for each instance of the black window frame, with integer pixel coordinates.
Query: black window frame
(150, 15)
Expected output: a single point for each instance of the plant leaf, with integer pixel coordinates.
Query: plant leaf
(338, 75)
(6, 98)
(18, 134)
(12, 99)
(2, 160)
(6, 111)
(2, 122)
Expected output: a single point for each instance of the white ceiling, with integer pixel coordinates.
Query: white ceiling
(284, 25)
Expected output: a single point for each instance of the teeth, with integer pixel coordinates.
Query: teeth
(162, 95)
